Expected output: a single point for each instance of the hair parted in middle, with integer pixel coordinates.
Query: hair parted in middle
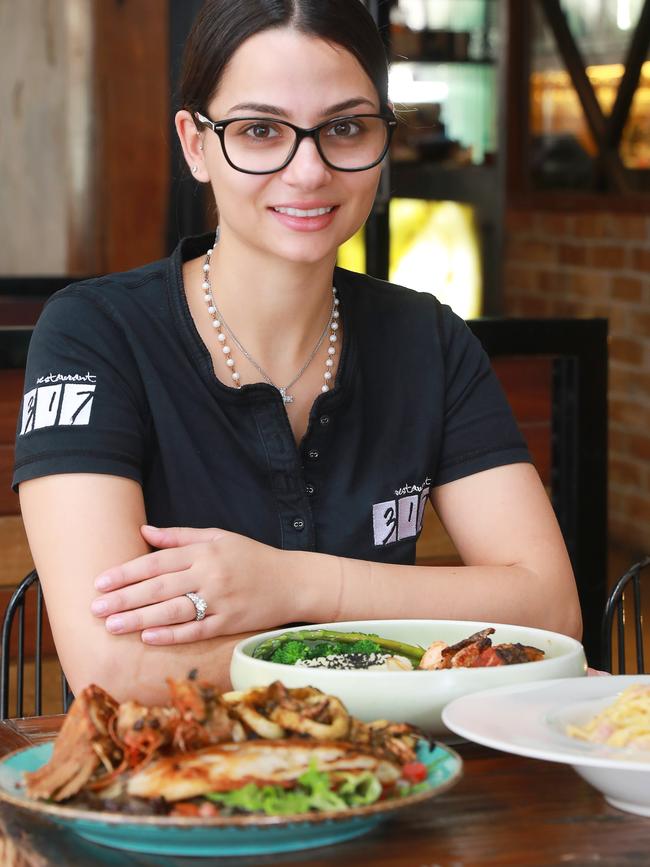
(223, 25)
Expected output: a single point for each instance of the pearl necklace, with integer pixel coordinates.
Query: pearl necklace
(221, 326)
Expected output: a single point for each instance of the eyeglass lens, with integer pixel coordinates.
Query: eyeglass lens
(265, 145)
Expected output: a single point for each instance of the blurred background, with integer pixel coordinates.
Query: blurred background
(517, 191)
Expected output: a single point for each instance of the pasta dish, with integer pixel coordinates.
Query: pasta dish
(625, 723)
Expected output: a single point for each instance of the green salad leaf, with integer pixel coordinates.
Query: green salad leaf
(313, 792)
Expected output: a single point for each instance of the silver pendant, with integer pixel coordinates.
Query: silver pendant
(286, 398)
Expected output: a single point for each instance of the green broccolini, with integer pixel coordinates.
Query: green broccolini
(324, 648)
(366, 645)
(305, 643)
(291, 652)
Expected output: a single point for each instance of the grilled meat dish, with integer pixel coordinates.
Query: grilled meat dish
(230, 766)
(477, 651)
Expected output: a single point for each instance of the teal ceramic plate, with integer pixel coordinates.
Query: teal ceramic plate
(234, 835)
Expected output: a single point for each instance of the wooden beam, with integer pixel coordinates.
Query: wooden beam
(574, 62)
(636, 55)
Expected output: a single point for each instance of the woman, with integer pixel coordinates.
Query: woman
(280, 422)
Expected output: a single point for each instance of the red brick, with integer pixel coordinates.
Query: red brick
(572, 254)
(640, 323)
(587, 284)
(520, 221)
(635, 383)
(567, 309)
(555, 225)
(640, 259)
(519, 277)
(639, 445)
(528, 250)
(618, 441)
(606, 256)
(551, 281)
(629, 414)
(616, 314)
(627, 288)
(638, 508)
(590, 225)
(533, 306)
(628, 226)
(626, 350)
(622, 531)
(626, 473)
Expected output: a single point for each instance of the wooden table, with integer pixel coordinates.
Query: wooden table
(506, 812)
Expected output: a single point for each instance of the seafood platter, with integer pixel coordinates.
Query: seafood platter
(268, 769)
(380, 668)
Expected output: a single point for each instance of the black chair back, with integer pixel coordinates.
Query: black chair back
(15, 607)
(615, 607)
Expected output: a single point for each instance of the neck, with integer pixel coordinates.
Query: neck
(276, 308)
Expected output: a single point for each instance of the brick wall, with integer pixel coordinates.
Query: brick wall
(597, 264)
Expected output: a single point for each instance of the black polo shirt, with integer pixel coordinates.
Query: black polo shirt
(118, 381)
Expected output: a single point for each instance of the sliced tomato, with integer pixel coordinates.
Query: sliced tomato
(185, 808)
(414, 772)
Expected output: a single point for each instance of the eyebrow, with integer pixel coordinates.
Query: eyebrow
(264, 108)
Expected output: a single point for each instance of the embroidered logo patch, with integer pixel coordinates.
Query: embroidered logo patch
(58, 399)
(401, 518)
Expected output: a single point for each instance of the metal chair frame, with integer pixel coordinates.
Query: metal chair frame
(615, 607)
(17, 606)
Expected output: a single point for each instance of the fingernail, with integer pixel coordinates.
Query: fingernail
(150, 635)
(115, 624)
(150, 527)
(103, 582)
(99, 606)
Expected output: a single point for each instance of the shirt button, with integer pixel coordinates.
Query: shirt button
(309, 489)
(324, 420)
(313, 454)
(298, 524)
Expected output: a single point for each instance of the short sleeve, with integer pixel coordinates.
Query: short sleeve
(83, 408)
(479, 431)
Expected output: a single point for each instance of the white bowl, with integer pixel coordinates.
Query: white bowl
(417, 697)
(531, 719)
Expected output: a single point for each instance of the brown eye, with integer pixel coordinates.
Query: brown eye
(344, 129)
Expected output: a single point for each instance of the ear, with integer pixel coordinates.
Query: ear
(191, 140)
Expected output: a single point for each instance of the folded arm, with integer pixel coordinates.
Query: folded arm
(83, 527)
(517, 570)
(78, 526)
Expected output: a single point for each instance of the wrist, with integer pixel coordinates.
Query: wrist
(313, 584)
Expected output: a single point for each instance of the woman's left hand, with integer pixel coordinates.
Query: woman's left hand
(242, 581)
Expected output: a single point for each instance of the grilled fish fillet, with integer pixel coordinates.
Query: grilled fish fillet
(229, 766)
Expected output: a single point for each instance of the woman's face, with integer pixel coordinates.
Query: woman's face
(287, 75)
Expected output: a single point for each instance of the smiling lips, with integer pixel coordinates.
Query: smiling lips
(298, 212)
(304, 219)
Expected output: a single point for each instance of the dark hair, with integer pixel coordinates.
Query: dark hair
(223, 25)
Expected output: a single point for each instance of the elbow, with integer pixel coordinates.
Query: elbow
(571, 622)
(108, 677)
(114, 669)
(565, 614)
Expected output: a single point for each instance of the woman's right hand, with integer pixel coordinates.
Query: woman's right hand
(243, 582)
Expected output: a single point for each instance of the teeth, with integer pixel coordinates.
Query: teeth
(297, 212)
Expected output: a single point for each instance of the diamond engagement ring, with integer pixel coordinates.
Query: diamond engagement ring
(199, 603)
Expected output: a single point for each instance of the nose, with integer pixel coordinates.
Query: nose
(307, 169)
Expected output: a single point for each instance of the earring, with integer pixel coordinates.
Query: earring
(201, 146)
(195, 169)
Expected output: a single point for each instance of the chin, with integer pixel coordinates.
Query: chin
(305, 250)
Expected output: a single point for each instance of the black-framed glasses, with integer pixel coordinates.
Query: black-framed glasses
(262, 145)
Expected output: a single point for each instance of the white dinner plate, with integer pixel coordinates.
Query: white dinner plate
(530, 719)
